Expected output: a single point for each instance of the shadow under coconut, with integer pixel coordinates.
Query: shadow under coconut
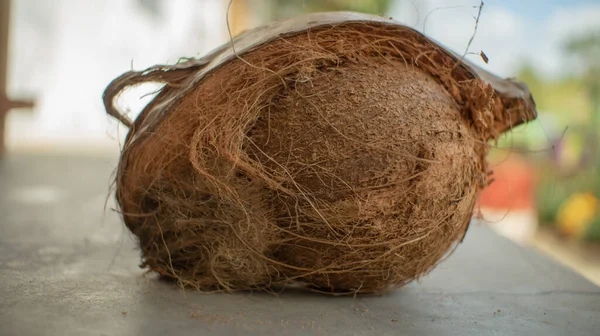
(286, 311)
(489, 284)
(292, 290)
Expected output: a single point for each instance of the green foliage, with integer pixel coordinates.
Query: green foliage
(573, 102)
(566, 99)
(366, 6)
(587, 48)
(286, 8)
(593, 232)
(554, 189)
(549, 198)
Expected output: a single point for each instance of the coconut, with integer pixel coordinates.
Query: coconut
(340, 152)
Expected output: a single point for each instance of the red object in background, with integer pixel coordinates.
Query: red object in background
(513, 186)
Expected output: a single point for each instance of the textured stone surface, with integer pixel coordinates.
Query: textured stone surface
(67, 267)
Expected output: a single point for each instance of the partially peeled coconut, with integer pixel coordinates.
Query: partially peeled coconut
(339, 151)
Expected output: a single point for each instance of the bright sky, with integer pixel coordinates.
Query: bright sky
(510, 31)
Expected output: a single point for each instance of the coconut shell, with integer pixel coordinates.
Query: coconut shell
(341, 152)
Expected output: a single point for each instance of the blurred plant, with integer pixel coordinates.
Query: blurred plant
(593, 233)
(569, 182)
(285, 8)
(586, 48)
(550, 196)
(576, 214)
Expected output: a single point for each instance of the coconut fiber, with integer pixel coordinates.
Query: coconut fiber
(342, 155)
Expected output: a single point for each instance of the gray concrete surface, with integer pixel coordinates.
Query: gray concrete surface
(69, 268)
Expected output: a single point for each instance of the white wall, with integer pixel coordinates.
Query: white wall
(65, 52)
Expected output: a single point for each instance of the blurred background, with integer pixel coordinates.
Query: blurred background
(61, 54)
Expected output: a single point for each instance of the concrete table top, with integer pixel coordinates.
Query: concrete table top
(67, 267)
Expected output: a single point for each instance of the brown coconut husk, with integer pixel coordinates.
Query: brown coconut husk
(345, 158)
